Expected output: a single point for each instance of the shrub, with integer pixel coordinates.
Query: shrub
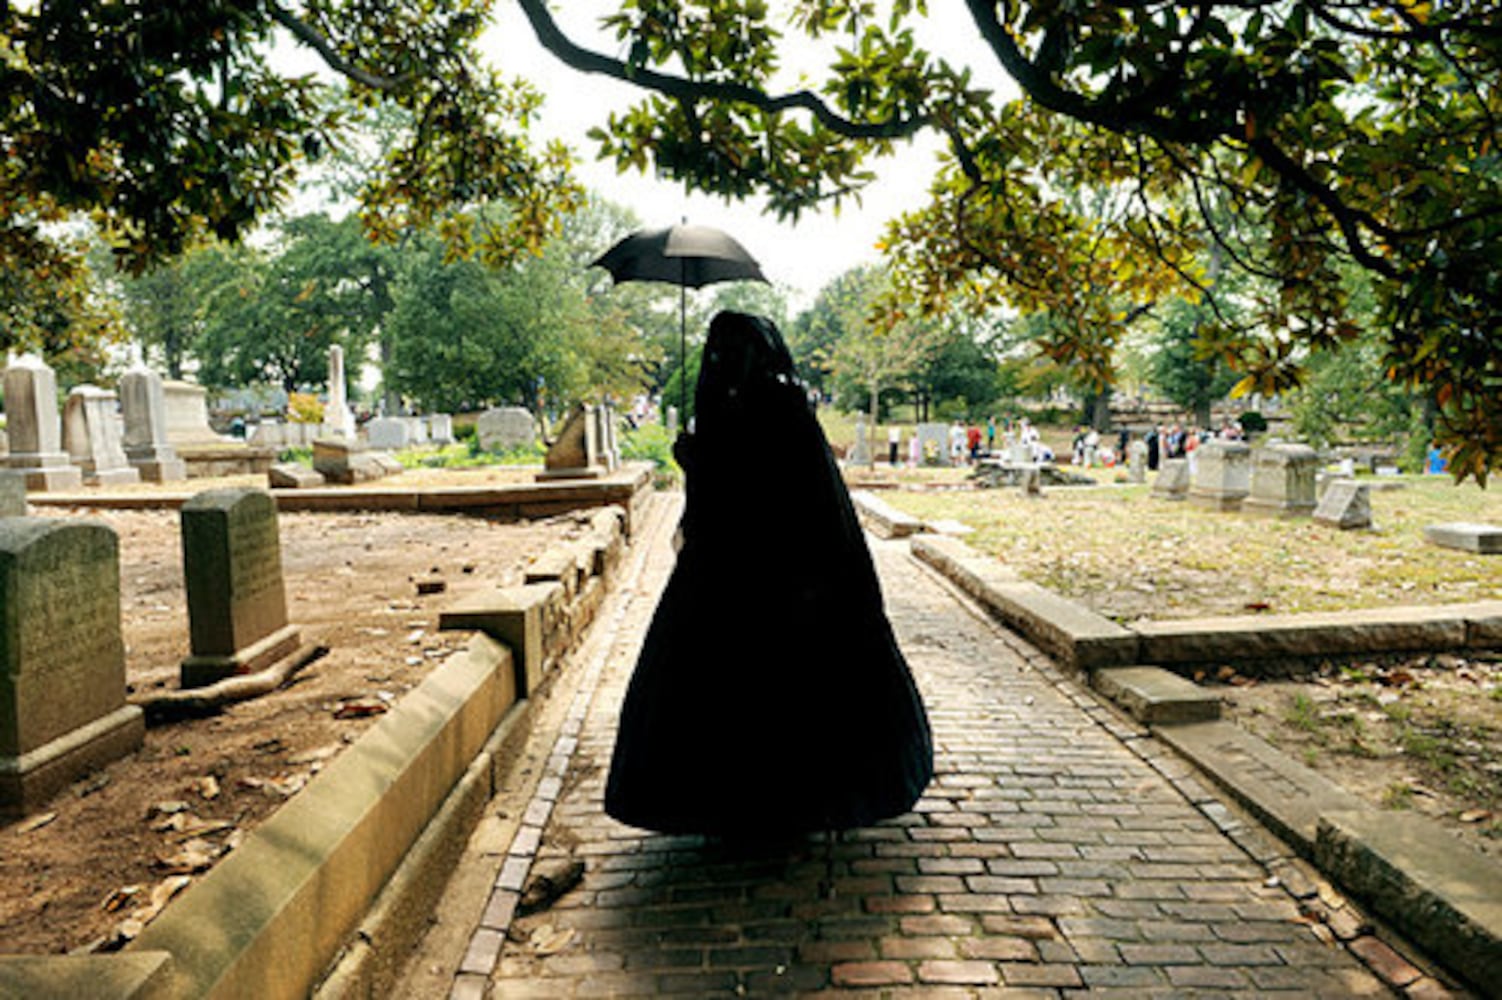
(1253, 422)
(304, 408)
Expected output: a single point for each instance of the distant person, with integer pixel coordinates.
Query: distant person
(972, 441)
(732, 727)
(1434, 462)
(956, 443)
(1153, 439)
(991, 435)
(894, 439)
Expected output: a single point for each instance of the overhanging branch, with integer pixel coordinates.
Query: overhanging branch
(310, 37)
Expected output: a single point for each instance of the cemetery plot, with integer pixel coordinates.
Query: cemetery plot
(122, 840)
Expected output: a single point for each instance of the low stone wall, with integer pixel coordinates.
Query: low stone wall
(271, 919)
(882, 518)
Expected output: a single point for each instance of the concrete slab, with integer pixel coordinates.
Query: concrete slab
(514, 616)
(1467, 536)
(1271, 637)
(882, 518)
(134, 976)
(1155, 696)
(1437, 891)
(1285, 795)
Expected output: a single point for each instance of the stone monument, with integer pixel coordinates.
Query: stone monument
(346, 462)
(145, 408)
(1137, 461)
(12, 494)
(338, 421)
(388, 433)
(1172, 482)
(91, 435)
(232, 568)
(1467, 536)
(1346, 504)
(933, 444)
(861, 453)
(575, 453)
(504, 428)
(440, 428)
(1224, 474)
(1283, 481)
(187, 410)
(608, 455)
(34, 427)
(62, 661)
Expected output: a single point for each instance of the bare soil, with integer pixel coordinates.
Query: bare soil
(96, 862)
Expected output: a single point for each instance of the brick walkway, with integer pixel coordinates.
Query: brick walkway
(1058, 851)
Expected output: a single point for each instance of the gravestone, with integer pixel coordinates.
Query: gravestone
(34, 427)
(62, 660)
(1282, 481)
(1346, 504)
(91, 435)
(291, 476)
(187, 411)
(860, 454)
(1172, 482)
(1019, 452)
(232, 568)
(505, 428)
(338, 421)
(1223, 476)
(1137, 462)
(1485, 539)
(440, 428)
(417, 430)
(147, 449)
(388, 433)
(12, 494)
(574, 454)
(346, 462)
(607, 455)
(672, 422)
(1031, 480)
(933, 444)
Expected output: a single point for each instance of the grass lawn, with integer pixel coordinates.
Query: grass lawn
(1128, 556)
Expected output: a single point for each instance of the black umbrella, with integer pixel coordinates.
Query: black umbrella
(686, 256)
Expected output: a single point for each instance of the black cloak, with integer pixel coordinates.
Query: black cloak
(770, 695)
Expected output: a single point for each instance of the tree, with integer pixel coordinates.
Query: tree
(1183, 374)
(1360, 132)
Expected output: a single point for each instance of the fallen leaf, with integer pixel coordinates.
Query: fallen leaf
(287, 786)
(177, 821)
(314, 755)
(194, 856)
(167, 807)
(91, 785)
(1257, 606)
(360, 709)
(1475, 815)
(118, 899)
(251, 782)
(207, 786)
(36, 822)
(168, 888)
(550, 940)
(1325, 934)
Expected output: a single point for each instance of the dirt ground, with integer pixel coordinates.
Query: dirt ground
(96, 862)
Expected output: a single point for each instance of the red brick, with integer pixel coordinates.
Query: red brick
(900, 904)
(835, 951)
(1021, 974)
(1033, 928)
(959, 973)
(916, 947)
(1384, 961)
(938, 923)
(871, 974)
(1000, 949)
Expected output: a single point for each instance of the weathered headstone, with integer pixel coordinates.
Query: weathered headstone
(440, 428)
(1282, 481)
(860, 453)
(1019, 452)
(388, 433)
(1467, 536)
(62, 660)
(506, 427)
(1346, 504)
(338, 421)
(607, 457)
(187, 410)
(1031, 480)
(232, 568)
(12, 494)
(91, 435)
(34, 427)
(574, 454)
(1172, 482)
(417, 430)
(672, 422)
(147, 449)
(342, 461)
(933, 444)
(291, 476)
(1224, 474)
(1137, 461)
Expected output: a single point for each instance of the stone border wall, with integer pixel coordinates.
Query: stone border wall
(369, 841)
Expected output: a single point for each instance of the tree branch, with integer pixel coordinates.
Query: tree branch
(309, 36)
(683, 89)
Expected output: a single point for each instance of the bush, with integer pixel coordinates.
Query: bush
(651, 443)
(1253, 422)
(304, 408)
(466, 432)
(301, 456)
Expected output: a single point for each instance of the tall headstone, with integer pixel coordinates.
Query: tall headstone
(147, 449)
(1224, 474)
(62, 660)
(440, 428)
(389, 433)
(672, 422)
(933, 444)
(1137, 461)
(187, 409)
(1346, 504)
(12, 494)
(1172, 482)
(232, 568)
(417, 430)
(861, 453)
(34, 427)
(338, 421)
(574, 454)
(346, 462)
(1283, 481)
(504, 428)
(91, 435)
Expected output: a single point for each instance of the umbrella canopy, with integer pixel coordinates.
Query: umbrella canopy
(689, 256)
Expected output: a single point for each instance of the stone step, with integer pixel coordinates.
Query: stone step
(882, 518)
(1155, 696)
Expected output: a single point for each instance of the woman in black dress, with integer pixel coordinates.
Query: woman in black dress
(770, 696)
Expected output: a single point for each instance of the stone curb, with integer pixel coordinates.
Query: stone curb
(882, 518)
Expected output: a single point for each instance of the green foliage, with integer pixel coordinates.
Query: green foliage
(1252, 422)
(649, 443)
(299, 456)
(1179, 369)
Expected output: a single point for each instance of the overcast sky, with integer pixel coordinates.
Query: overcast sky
(804, 257)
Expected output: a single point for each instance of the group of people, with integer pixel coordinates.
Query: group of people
(968, 443)
(1175, 441)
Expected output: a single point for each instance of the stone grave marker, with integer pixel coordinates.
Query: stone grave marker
(672, 421)
(147, 449)
(860, 454)
(91, 436)
(1224, 474)
(440, 428)
(388, 433)
(62, 660)
(346, 462)
(338, 421)
(12, 493)
(1137, 461)
(34, 428)
(187, 411)
(291, 476)
(232, 568)
(574, 454)
(504, 428)
(1346, 504)
(1172, 481)
(1485, 539)
(1282, 481)
(933, 444)
(607, 455)
(1031, 480)
(417, 430)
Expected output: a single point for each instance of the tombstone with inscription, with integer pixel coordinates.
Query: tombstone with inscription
(505, 428)
(1282, 481)
(338, 421)
(1137, 462)
(933, 444)
(232, 568)
(574, 454)
(345, 462)
(34, 427)
(187, 410)
(147, 449)
(440, 428)
(1468, 536)
(62, 660)
(417, 430)
(91, 435)
(1172, 482)
(388, 433)
(860, 454)
(12, 494)
(1346, 504)
(1224, 474)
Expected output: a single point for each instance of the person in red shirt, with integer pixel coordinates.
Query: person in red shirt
(972, 440)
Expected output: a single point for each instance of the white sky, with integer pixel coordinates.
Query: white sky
(803, 257)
